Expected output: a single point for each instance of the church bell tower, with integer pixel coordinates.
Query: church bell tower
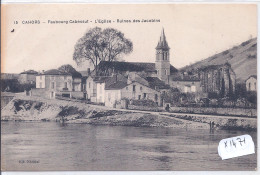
(162, 62)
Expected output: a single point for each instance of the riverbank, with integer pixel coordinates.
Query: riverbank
(25, 108)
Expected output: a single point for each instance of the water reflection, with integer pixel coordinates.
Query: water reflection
(89, 147)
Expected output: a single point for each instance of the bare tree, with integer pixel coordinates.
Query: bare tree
(101, 45)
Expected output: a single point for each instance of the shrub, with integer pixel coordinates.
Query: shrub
(70, 110)
(252, 97)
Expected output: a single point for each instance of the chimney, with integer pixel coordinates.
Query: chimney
(129, 81)
(88, 71)
(134, 76)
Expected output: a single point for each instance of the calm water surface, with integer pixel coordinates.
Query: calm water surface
(51, 146)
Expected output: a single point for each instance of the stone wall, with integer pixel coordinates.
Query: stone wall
(40, 93)
(219, 111)
(145, 108)
(78, 95)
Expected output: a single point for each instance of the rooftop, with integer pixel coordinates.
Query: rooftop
(29, 72)
(55, 72)
(116, 86)
(100, 79)
(254, 76)
(155, 83)
(162, 44)
(118, 66)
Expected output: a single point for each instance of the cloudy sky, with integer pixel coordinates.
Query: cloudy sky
(193, 32)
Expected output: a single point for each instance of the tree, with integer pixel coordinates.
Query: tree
(172, 96)
(67, 68)
(101, 45)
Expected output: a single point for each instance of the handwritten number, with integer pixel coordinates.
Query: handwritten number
(234, 143)
(241, 141)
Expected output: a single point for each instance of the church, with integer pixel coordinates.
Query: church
(113, 81)
(161, 68)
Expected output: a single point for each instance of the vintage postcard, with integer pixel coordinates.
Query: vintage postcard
(107, 87)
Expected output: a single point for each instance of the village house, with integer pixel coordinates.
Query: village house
(96, 86)
(186, 83)
(55, 83)
(100, 83)
(28, 77)
(133, 91)
(251, 83)
(134, 87)
(91, 88)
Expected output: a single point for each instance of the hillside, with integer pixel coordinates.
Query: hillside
(243, 60)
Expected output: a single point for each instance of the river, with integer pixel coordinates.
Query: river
(53, 146)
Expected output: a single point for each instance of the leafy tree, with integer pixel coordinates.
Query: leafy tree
(101, 45)
(69, 69)
(13, 85)
(172, 96)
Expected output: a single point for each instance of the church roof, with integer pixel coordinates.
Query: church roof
(126, 66)
(162, 44)
(118, 67)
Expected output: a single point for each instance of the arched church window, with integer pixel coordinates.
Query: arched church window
(165, 71)
(163, 55)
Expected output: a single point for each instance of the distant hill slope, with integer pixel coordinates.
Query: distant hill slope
(243, 60)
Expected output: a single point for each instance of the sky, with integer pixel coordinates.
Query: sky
(193, 31)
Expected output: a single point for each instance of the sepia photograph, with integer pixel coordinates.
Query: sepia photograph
(129, 87)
